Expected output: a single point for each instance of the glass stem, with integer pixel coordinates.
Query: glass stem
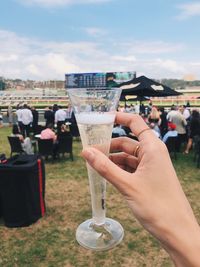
(98, 194)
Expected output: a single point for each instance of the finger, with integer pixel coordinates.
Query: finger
(124, 160)
(136, 124)
(127, 168)
(107, 169)
(124, 144)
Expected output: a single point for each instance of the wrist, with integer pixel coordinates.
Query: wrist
(182, 242)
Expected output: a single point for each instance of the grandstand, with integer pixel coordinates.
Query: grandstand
(36, 97)
(41, 98)
(189, 94)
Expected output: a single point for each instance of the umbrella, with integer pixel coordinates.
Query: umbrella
(143, 86)
(134, 98)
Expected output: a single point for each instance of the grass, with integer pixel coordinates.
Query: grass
(51, 241)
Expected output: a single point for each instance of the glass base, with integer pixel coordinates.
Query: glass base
(99, 237)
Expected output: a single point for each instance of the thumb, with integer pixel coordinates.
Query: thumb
(107, 169)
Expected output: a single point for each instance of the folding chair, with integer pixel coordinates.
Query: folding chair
(15, 145)
(65, 146)
(45, 147)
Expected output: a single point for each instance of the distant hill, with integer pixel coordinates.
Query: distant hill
(180, 84)
(30, 84)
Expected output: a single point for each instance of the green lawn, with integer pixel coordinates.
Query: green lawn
(51, 241)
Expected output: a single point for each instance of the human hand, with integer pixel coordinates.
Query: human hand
(147, 180)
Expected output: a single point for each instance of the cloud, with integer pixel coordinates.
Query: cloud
(29, 58)
(169, 65)
(189, 10)
(195, 63)
(124, 58)
(58, 3)
(95, 32)
(153, 47)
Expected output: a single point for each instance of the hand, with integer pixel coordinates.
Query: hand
(151, 187)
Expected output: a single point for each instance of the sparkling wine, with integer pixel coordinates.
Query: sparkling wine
(94, 109)
(96, 130)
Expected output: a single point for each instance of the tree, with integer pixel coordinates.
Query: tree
(2, 85)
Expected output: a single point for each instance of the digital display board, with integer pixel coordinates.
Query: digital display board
(97, 80)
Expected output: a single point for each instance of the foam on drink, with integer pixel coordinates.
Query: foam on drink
(95, 118)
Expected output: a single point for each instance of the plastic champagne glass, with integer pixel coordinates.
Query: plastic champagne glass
(95, 114)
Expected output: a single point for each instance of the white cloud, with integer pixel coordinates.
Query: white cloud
(124, 58)
(95, 32)
(10, 57)
(170, 65)
(189, 10)
(156, 47)
(195, 63)
(57, 3)
(27, 58)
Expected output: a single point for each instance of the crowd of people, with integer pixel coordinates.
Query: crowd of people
(28, 122)
(179, 121)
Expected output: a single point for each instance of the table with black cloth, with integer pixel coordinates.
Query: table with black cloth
(22, 190)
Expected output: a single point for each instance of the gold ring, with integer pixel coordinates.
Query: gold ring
(146, 129)
(135, 153)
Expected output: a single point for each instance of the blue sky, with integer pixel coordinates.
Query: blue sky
(44, 39)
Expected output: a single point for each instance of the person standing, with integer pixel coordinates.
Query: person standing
(154, 117)
(35, 119)
(178, 119)
(49, 116)
(19, 121)
(1, 119)
(142, 109)
(194, 130)
(69, 113)
(137, 108)
(60, 117)
(10, 115)
(171, 113)
(164, 123)
(186, 113)
(26, 118)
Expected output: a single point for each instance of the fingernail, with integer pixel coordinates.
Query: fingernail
(88, 154)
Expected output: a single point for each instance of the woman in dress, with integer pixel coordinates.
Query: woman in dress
(154, 117)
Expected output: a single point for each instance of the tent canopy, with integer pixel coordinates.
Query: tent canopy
(143, 86)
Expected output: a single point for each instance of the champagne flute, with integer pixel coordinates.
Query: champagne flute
(95, 114)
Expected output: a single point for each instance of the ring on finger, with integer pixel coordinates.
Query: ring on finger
(136, 151)
(146, 129)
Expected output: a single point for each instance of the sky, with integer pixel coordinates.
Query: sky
(44, 39)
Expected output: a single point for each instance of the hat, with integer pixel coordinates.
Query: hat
(172, 125)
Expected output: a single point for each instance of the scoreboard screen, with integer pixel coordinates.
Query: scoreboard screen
(97, 80)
